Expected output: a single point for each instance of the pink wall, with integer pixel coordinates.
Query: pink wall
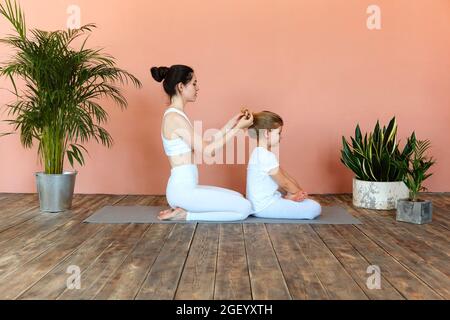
(312, 61)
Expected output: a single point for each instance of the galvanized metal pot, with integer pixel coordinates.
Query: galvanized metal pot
(418, 212)
(378, 195)
(55, 190)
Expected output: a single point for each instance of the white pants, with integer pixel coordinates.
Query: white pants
(288, 209)
(209, 203)
(204, 203)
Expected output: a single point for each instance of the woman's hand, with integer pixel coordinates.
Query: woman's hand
(245, 121)
(246, 112)
(235, 120)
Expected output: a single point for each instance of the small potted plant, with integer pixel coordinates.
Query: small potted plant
(413, 209)
(60, 103)
(377, 184)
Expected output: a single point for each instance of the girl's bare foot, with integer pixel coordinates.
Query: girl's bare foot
(172, 214)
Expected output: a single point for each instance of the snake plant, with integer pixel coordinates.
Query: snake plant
(59, 105)
(374, 157)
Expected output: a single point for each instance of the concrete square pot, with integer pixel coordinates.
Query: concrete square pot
(418, 212)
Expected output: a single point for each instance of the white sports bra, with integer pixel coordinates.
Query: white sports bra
(174, 147)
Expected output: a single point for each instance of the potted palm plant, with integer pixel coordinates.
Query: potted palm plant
(378, 183)
(413, 209)
(59, 105)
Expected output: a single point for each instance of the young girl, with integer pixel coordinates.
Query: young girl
(271, 190)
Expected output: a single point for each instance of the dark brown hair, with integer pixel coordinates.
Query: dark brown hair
(172, 76)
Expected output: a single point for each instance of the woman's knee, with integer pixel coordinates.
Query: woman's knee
(242, 215)
(245, 207)
(241, 208)
(228, 191)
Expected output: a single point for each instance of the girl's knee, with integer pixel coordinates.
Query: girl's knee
(314, 210)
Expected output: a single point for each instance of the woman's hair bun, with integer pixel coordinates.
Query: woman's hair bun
(159, 73)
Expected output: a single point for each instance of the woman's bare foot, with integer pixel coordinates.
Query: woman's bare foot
(172, 214)
(165, 212)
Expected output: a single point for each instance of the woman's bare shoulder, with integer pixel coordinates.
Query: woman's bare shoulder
(172, 122)
(174, 118)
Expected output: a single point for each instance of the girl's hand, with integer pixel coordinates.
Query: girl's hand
(303, 192)
(289, 196)
(282, 191)
(298, 197)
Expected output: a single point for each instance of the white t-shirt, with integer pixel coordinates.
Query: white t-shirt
(262, 190)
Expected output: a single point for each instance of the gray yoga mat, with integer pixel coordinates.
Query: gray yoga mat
(148, 214)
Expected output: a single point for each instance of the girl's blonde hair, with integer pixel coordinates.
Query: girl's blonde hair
(264, 120)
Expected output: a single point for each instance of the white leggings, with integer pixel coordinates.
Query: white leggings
(204, 203)
(209, 203)
(288, 209)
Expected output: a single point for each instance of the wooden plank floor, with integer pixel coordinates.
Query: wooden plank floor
(219, 261)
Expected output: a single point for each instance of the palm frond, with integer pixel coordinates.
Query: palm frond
(421, 147)
(15, 15)
(60, 105)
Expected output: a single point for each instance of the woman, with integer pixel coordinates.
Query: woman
(189, 200)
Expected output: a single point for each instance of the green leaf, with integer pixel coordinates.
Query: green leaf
(65, 88)
(358, 136)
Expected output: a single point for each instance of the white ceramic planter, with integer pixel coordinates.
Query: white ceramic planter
(378, 195)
